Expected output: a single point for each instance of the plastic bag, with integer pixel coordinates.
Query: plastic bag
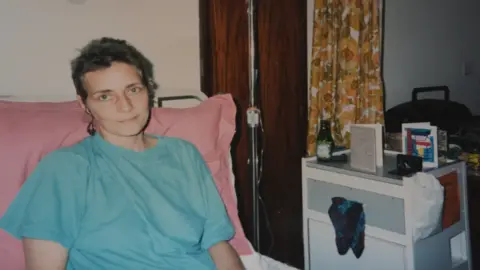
(427, 197)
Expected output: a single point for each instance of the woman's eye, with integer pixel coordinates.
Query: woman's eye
(103, 97)
(135, 89)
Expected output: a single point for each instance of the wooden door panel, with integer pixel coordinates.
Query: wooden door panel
(283, 97)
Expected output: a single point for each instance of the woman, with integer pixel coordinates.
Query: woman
(121, 199)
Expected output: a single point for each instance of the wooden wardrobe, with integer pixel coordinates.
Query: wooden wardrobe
(282, 41)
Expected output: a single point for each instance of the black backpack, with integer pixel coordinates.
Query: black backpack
(445, 114)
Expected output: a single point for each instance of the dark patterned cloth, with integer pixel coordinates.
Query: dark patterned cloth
(348, 219)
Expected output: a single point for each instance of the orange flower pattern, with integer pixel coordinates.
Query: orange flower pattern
(346, 86)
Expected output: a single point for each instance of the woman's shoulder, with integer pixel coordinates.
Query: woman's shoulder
(69, 156)
(64, 169)
(182, 147)
(178, 143)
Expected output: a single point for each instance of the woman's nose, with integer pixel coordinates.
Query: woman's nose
(124, 104)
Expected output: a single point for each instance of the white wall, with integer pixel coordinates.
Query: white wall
(427, 42)
(39, 38)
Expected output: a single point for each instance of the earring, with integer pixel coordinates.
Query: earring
(91, 129)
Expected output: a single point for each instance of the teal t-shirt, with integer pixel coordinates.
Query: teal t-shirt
(115, 208)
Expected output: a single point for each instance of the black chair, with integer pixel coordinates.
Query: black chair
(447, 115)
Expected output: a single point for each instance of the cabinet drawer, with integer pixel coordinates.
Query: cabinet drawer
(381, 211)
(378, 254)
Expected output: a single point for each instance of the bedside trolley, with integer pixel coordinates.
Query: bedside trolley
(387, 206)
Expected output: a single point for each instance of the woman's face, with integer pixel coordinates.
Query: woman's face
(117, 100)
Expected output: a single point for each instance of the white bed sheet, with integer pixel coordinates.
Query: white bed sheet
(255, 261)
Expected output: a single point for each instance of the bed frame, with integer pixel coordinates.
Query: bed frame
(160, 100)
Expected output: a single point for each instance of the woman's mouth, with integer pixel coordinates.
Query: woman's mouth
(129, 119)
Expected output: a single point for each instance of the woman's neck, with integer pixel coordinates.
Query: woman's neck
(137, 143)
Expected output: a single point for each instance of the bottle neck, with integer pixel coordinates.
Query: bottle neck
(325, 122)
(324, 126)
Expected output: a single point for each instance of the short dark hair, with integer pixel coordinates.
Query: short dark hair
(101, 53)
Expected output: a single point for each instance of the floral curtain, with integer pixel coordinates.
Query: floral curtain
(346, 85)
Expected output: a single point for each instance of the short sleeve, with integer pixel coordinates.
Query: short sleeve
(218, 226)
(51, 201)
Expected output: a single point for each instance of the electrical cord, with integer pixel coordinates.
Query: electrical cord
(260, 176)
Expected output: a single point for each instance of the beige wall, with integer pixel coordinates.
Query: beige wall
(38, 39)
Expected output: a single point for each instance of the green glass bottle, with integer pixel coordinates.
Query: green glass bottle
(325, 143)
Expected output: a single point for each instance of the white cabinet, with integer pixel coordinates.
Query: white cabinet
(378, 254)
(388, 208)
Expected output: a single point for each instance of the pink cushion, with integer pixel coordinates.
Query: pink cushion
(210, 127)
(31, 130)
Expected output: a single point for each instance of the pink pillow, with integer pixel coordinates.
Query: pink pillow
(31, 130)
(28, 132)
(210, 126)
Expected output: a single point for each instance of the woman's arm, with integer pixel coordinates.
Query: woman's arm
(225, 257)
(44, 255)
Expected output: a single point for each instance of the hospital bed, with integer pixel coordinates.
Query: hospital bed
(17, 113)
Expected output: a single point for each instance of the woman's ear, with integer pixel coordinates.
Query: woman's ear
(82, 104)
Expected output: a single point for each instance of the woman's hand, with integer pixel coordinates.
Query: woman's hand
(44, 255)
(225, 257)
